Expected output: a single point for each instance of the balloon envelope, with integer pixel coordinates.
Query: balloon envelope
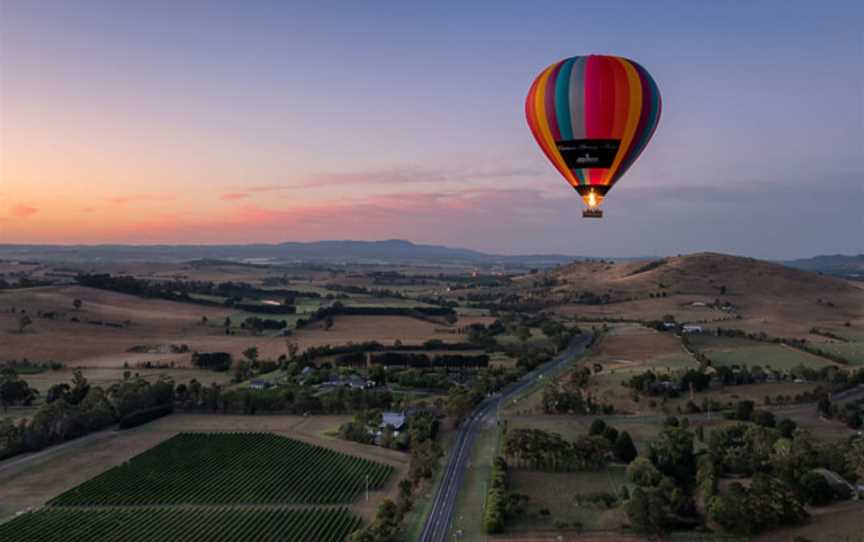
(593, 116)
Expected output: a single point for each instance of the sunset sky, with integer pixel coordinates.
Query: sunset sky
(234, 122)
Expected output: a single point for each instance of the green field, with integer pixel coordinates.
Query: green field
(556, 492)
(853, 351)
(706, 341)
(158, 525)
(231, 468)
(775, 356)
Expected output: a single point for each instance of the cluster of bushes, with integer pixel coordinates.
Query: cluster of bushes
(416, 360)
(338, 309)
(214, 361)
(541, 450)
(74, 410)
(556, 400)
(851, 413)
(181, 290)
(289, 400)
(140, 417)
(766, 504)
(496, 497)
(25, 366)
(354, 353)
(258, 325)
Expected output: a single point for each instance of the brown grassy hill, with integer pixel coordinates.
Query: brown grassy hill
(768, 296)
(703, 273)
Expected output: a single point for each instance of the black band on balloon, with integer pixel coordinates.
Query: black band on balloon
(599, 189)
(588, 153)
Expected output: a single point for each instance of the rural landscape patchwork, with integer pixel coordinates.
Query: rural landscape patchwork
(487, 271)
(222, 399)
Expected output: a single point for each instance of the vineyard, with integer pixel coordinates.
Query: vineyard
(161, 525)
(231, 468)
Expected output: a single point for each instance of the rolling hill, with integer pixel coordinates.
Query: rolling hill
(765, 296)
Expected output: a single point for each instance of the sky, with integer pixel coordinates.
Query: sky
(235, 122)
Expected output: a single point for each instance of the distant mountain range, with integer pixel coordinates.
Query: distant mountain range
(394, 251)
(836, 264)
(391, 251)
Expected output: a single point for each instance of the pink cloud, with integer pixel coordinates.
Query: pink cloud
(420, 216)
(124, 200)
(400, 175)
(23, 211)
(234, 196)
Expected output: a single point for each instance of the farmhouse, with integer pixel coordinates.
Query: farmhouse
(354, 382)
(689, 328)
(396, 419)
(260, 384)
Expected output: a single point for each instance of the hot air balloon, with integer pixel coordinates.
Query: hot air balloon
(593, 116)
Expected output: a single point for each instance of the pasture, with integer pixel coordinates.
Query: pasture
(557, 491)
(853, 351)
(775, 356)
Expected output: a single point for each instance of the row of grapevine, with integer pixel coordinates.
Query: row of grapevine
(231, 468)
(187, 525)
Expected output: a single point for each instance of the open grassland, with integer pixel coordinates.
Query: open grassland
(774, 356)
(106, 376)
(625, 355)
(556, 492)
(137, 321)
(384, 329)
(853, 351)
(840, 522)
(231, 468)
(680, 306)
(158, 525)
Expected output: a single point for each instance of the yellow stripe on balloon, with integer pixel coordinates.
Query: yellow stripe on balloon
(634, 111)
(543, 125)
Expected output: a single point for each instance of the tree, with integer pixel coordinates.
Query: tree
(77, 304)
(744, 410)
(648, 511)
(706, 475)
(328, 322)
(13, 390)
(79, 389)
(824, 407)
(292, 348)
(787, 427)
(251, 354)
(624, 450)
(731, 510)
(815, 490)
(672, 453)
(598, 426)
(24, 320)
(460, 402)
(57, 391)
(242, 371)
(643, 473)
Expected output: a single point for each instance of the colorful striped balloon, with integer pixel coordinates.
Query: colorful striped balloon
(593, 116)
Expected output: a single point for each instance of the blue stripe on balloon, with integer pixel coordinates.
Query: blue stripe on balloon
(562, 100)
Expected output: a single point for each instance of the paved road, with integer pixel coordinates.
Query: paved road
(441, 515)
